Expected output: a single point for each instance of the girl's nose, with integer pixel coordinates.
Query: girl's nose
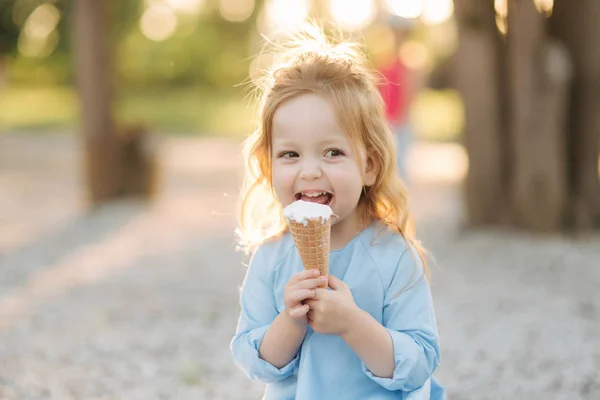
(310, 170)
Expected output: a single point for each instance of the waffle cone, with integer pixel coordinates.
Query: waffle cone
(313, 243)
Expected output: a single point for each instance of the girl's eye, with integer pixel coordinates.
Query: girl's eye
(333, 153)
(288, 154)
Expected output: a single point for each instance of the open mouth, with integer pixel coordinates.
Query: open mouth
(316, 197)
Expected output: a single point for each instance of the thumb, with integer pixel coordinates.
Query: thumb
(337, 284)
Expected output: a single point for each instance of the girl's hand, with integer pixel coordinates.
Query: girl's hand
(301, 287)
(331, 311)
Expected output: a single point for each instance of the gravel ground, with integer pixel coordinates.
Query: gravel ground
(139, 301)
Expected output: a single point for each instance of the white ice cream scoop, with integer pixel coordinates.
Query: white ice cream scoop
(302, 211)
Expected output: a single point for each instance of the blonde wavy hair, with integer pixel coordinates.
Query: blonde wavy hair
(308, 62)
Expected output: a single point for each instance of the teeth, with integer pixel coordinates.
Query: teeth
(314, 194)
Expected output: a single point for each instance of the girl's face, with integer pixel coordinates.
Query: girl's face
(313, 159)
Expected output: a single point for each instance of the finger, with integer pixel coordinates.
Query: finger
(336, 283)
(299, 311)
(310, 303)
(304, 274)
(310, 283)
(301, 294)
(320, 293)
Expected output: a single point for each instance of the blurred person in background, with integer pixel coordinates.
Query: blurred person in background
(397, 86)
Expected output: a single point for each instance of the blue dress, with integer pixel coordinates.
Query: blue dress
(386, 278)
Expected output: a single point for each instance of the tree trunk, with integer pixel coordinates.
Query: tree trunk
(476, 70)
(117, 163)
(578, 27)
(94, 77)
(531, 126)
(538, 81)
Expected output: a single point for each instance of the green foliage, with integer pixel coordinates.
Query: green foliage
(188, 83)
(205, 50)
(183, 84)
(196, 111)
(9, 32)
(168, 110)
(37, 108)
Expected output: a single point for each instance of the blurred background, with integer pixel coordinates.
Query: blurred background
(121, 125)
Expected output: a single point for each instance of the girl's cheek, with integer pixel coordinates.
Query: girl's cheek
(282, 174)
(339, 169)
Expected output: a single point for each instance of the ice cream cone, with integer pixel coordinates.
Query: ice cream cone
(310, 227)
(312, 242)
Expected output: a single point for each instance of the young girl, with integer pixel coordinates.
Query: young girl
(323, 137)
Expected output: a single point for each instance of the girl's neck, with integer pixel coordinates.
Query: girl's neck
(344, 231)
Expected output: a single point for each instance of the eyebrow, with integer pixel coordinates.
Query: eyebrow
(326, 142)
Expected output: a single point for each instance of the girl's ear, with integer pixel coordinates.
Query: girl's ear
(371, 171)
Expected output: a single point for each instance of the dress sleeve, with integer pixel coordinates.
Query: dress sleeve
(258, 310)
(409, 318)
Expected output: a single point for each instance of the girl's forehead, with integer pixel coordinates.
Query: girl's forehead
(306, 111)
(311, 119)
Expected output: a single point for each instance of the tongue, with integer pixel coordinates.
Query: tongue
(321, 199)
